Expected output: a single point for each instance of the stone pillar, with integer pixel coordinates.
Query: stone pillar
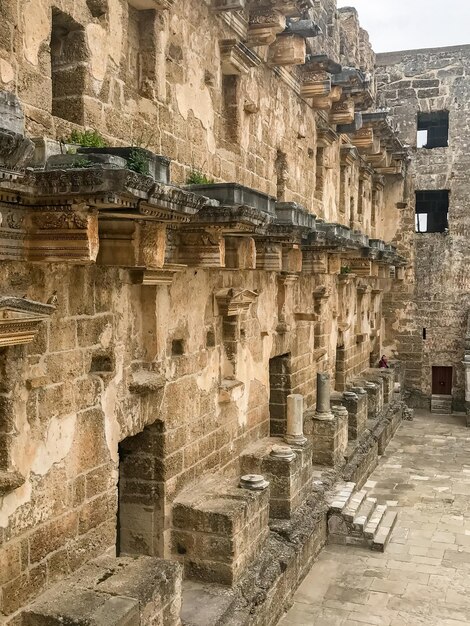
(373, 399)
(466, 364)
(323, 411)
(295, 420)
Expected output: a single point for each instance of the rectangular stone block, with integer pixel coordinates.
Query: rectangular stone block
(218, 529)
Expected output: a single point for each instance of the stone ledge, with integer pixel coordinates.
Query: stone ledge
(112, 592)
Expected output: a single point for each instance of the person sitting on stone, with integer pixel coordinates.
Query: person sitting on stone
(383, 362)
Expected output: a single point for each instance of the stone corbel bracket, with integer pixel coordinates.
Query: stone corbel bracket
(20, 319)
(233, 302)
(264, 26)
(236, 58)
(144, 381)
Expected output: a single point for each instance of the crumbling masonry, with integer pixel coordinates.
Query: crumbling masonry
(195, 298)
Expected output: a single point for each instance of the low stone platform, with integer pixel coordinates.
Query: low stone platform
(219, 529)
(127, 591)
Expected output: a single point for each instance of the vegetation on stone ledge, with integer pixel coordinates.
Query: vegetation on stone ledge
(196, 177)
(138, 162)
(87, 139)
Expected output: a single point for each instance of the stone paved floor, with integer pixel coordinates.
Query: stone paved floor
(424, 575)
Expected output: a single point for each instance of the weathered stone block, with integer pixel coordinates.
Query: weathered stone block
(219, 529)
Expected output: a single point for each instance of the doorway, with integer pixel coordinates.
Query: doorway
(140, 494)
(442, 380)
(280, 388)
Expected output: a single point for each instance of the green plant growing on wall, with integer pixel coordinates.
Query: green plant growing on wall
(345, 269)
(81, 162)
(87, 139)
(138, 162)
(195, 177)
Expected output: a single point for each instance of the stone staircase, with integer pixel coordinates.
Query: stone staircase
(356, 519)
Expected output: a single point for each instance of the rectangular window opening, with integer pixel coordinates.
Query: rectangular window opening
(432, 209)
(433, 130)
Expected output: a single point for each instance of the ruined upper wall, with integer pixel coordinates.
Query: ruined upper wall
(429, 81)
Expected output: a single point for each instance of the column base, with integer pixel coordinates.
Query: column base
(295, 440)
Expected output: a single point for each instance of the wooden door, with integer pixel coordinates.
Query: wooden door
(442, 381)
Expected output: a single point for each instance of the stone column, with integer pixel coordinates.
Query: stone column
(466, 364)
(323, 411)
(295, 420)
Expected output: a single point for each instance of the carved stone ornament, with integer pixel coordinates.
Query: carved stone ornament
(20, 319)
(15, 150)
(232, 302)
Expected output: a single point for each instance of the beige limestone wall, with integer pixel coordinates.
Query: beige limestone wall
(68, 399)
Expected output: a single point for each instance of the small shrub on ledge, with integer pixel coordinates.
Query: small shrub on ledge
(87, 139)
(196, 177)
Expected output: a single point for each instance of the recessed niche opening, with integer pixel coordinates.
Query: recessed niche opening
(177, 347)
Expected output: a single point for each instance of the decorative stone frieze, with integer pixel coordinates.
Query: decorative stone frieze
(342, 112)
(128, 243)
(315, 83)
(20, 319)
(264, 25)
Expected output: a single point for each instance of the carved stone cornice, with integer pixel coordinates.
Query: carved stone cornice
(236, 58)
(264, 25)
(232, 302)
(163, 276)
(233, 219)
(20, 319)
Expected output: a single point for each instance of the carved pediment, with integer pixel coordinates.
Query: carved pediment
(232, 302)
(20, 319)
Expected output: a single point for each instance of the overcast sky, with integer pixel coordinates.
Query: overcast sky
(409, 24)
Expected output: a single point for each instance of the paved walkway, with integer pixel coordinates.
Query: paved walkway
(424, 575)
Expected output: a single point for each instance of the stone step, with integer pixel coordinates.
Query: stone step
(341, 497)
(363, 515)
(350, 511)
(384, 531)
(374, 521)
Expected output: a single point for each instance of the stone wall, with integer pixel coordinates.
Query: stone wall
(151, 365)
(430, 310)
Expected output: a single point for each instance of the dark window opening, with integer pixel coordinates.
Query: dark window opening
(432, 209)
(177, 347)
(433, 130)
(424, 333)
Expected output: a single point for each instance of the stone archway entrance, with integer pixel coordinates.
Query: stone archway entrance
(140, 494)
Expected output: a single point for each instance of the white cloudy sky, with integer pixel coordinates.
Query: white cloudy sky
(409, 24)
